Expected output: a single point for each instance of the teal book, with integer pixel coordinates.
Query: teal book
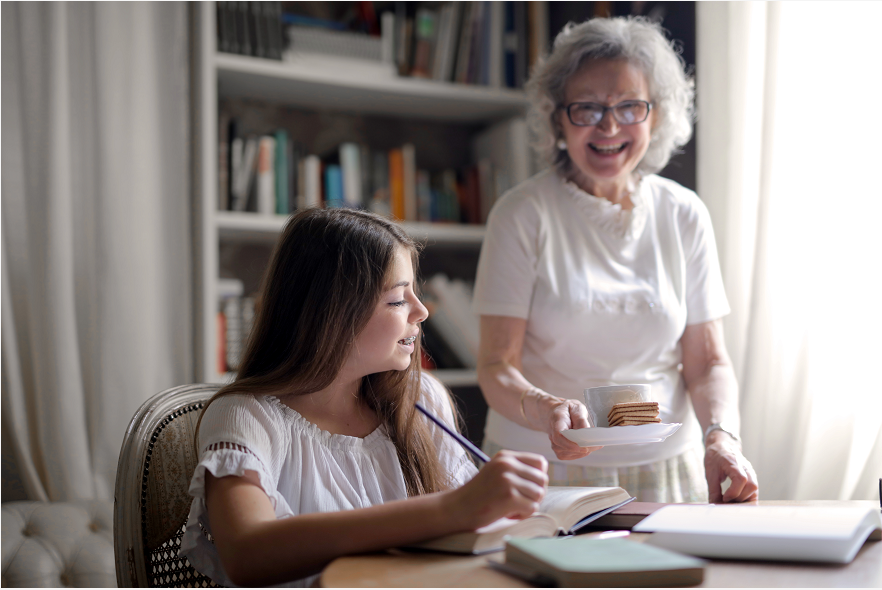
(333, 186)
(584, 562)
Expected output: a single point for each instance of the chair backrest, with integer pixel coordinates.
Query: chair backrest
(151, 502)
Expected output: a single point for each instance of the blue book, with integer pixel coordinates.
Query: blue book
(334, 186)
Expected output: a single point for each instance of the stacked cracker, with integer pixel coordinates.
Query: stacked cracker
(634, 414)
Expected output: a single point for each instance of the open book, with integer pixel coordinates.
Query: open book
(562, 511)
(830, 534)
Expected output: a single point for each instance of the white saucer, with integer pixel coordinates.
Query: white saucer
(621, 435)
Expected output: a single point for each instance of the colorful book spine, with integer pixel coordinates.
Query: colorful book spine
(282, 172)
(396, 184)
(334, 186)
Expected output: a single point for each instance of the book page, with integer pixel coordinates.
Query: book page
(569, 505)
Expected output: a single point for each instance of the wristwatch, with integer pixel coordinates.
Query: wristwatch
(721, 426)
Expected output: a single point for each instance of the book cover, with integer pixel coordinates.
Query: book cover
(281, 171)
(559, 511)
(266, 176)
(350, 165)
(312, 182)
(829, 534)
(424, 196)
(334, 186)
(424, 43)
(575, 562)
(244, 157)
(625, 517)
(464, 48)
(408, 164)
(396, 184)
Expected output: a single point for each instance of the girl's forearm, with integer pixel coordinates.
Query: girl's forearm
(276, 551)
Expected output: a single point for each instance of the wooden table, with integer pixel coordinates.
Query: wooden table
(433, 570)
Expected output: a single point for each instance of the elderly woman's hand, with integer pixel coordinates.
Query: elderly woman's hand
(558, 414)
(723, 459)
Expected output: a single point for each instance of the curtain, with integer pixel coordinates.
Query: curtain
(787, 138)
(96, 222)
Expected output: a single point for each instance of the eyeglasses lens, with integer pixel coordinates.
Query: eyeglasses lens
(626, 113)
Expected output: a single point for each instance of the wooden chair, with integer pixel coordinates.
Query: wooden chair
(151, 502)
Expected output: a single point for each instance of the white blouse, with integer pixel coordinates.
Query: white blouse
(302, 468)
(607, 294)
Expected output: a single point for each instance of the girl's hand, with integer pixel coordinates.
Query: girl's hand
(511, 485)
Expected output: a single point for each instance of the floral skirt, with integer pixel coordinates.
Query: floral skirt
(675, 480)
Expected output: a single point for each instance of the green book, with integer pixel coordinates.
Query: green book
(584, 562)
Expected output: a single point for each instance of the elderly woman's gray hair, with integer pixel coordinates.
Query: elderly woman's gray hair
(642, 44)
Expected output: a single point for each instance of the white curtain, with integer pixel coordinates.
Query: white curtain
(788, 137)
(96, 222)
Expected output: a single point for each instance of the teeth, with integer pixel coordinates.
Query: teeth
(608, 149)
(408, 340)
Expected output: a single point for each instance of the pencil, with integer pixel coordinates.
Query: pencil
(466, 443)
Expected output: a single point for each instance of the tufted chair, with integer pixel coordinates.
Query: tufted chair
(58, 544)
(151, 501)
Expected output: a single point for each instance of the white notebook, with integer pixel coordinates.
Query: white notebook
(831, 534)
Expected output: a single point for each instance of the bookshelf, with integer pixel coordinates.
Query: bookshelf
(320, 84)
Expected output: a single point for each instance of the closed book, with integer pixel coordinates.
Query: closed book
(424, 43)
(350, 165)
(576, 562)
(626, 517)
(266, 176)
(282, 172)
(408, 163)
(560, 511)
(312, 182)
(244, 157)
(334, 186)
(379, 203)
(831, 534)
(396, 184)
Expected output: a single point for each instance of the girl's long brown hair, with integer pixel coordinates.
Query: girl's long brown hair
(323, 283)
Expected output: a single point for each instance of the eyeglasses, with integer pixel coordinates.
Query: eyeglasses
(629, 112)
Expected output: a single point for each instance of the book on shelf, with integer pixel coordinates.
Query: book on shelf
(424, 43)
(229, 293)
(830, 534)
(250, 28)
(266, 176)
(350, 166)
(579, 562)
(396, 184)
(282, 173)
(559, 513)
(408, 166)
(454, 317)
(333, 186)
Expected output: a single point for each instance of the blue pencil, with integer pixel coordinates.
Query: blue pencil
(466, 443)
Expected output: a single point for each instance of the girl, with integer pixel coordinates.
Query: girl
(316, 450)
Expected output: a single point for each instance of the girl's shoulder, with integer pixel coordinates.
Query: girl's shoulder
(241, 417)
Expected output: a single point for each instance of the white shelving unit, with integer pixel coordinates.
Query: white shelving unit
(302, 84)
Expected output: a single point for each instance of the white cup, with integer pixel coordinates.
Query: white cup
(600, 400)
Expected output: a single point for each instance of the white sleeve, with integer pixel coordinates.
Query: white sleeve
(705, 293)
(455, 460)
(509, 260)
(237, 434)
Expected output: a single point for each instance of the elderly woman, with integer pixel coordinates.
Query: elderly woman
(598, 272)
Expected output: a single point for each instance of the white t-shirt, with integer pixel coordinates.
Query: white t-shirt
(302, 468)
(606, 294)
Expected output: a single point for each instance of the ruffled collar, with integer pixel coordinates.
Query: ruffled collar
(378, 435)
(610, 217)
